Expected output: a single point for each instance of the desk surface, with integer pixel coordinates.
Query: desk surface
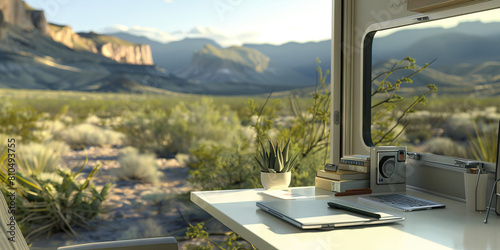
(449, 228)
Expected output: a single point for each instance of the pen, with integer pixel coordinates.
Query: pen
(358, 210)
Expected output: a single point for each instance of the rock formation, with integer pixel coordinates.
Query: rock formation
(108, 46)
(133, 54)
(20, 15)
(66, 36)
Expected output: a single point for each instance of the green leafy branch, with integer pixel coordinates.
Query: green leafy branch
(316, 131)
(264, 116)
(384, 129)
(198, 232)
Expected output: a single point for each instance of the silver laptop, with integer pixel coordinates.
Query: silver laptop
(316, 214)
(402, 202)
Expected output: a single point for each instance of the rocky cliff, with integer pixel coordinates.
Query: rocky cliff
(133, 54)
(120, 50)
(108, 46)
(66, 36)
(18, 14)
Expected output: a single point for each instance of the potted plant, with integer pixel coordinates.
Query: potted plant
(275, 164)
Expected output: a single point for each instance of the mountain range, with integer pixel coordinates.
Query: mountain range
(35, 54)
(291, 64)
(460, 55)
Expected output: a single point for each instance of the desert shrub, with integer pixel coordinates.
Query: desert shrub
(444, 146)
(219, 167)
(458, 126)
(36, 158)
(158, 197)
(146, 130)
(200, 123)
(303, 174)
(145, 229)
(231, 241)
(188, 126)
(21, 122)
(136, 166)
(3, 142)
(483, 146)
(48, 128)
(83, 135)
(50, 202)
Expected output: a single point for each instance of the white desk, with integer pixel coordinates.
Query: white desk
(449, 228)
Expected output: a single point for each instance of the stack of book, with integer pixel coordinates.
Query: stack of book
(341, 180)
(353, 172)
(358, 163)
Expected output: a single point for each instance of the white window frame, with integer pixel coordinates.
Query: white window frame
(352, 22)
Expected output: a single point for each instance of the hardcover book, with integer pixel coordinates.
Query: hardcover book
(340, 186)
(342, 175)
(357, 168)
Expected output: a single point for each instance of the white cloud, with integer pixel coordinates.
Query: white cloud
(223, 38)
(168, 1)
(151, 33)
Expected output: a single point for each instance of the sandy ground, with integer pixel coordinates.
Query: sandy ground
(127, 214)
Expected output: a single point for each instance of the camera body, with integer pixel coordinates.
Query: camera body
(388, 169)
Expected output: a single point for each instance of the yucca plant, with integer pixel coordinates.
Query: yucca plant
(483, 144)
(276, 157)
(55, 201)
(62, 203)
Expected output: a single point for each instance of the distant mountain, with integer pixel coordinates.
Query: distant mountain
(173, 56)
(471, 42)
(297, 57)
(31, 58)
(237, 65)
(480, 79)
(459, 51)
(234, 64)
(285, 67)
(38, 55)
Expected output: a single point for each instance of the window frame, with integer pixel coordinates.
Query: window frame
(353, 68)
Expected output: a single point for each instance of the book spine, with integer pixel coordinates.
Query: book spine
(355, 162)
(356, 168)
(324, 184)
(327, 175)
(340, 186)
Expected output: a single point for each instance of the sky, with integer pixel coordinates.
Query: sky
(229, 22)
(485, 17)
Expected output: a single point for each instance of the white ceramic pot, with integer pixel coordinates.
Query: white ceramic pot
(275, 180)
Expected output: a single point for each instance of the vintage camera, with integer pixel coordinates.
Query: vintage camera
(388, 168)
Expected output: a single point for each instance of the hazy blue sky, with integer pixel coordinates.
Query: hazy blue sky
(230, 22)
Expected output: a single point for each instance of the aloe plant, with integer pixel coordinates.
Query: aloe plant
(275, 158)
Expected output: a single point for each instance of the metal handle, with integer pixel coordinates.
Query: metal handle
(491, 199)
